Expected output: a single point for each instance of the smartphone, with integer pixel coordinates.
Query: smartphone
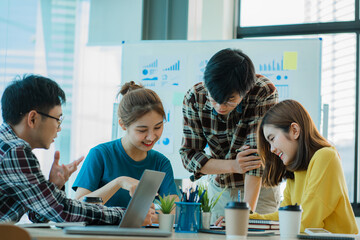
(316, 231)
(154, 225)
(320, 232)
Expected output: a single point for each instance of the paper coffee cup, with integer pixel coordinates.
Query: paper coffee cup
(290, 221)
(237, 220)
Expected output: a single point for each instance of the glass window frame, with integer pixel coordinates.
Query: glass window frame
(324, 10)
(312, 29)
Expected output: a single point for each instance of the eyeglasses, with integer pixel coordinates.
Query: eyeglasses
(228, 103)
(59, 120)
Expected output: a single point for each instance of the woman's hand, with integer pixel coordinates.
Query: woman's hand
(129, 184)
(149, 215)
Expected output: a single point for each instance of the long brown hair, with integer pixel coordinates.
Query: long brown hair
(136, 102)
(281, 116)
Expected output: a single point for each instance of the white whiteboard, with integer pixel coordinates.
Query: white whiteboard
(172, 67)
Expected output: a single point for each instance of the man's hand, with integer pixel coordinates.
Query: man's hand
(59, 175)
(149, 216)
(129, 184)
(245, 162)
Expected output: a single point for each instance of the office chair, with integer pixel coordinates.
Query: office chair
(13, 232)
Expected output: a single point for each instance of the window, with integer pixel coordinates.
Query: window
(50, 38)
(338, 90)
(339, 78)
(282, 12)
(39, 37)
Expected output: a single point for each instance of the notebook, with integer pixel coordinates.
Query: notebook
(251, 232)
(50, 224)
(135, 214)
(264, 224)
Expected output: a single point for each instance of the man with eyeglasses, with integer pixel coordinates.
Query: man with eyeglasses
(32, 114)
(59, 120)
(220, 118)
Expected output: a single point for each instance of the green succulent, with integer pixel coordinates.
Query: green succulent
(208, 204)
(166, 203)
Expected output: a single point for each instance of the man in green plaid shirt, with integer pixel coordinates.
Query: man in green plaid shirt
(222, 114)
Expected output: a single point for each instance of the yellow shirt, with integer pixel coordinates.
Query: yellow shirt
(322, 193)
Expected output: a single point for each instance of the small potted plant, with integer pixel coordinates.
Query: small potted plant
(166, 218)
(207, 204)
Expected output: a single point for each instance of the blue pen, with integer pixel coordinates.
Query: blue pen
(192, 195)
(196, 193)
(201, 196)
(180, 190)
(181, 193)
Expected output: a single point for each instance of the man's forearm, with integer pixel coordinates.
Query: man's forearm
(252, 186)
(218, 166)
(105, 192)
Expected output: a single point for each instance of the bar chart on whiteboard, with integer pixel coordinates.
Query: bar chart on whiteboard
(274, 70)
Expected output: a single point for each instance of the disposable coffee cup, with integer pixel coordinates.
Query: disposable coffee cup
(290, 221)
(94, 200)
(237, 220)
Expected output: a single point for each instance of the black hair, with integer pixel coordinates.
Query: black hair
(281, 116)
(136, 102)
(229, 71)
(27, 93)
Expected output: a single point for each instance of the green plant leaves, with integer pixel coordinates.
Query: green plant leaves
(208, 204)
(166, 203)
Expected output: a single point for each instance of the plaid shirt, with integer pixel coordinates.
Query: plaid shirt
(223, 134)
(24, 189)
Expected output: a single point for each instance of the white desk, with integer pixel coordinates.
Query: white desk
(57, 234)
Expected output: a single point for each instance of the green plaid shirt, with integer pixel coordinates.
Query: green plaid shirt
(203, 126)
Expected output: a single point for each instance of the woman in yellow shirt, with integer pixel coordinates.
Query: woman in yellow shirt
(291, 148)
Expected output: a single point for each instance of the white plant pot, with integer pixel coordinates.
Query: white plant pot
(206, 216)
(166, 221)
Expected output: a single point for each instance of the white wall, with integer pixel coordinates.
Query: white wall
(114, 21)
(212, 19)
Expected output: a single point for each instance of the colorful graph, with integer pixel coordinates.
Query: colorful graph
(152, 65)
(272, 66)
(150, 79)
(166, 141)
(163, 141)
(283, 91)
(149, 70)
(174, 67)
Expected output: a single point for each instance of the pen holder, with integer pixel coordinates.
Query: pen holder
(187, 218)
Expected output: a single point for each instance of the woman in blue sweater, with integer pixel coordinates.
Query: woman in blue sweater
(112, 170)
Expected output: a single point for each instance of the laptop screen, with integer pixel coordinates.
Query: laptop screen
(142, 199)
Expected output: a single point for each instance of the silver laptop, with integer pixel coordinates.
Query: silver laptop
(135, 214)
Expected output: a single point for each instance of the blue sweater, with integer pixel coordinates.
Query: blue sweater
(108, 161)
